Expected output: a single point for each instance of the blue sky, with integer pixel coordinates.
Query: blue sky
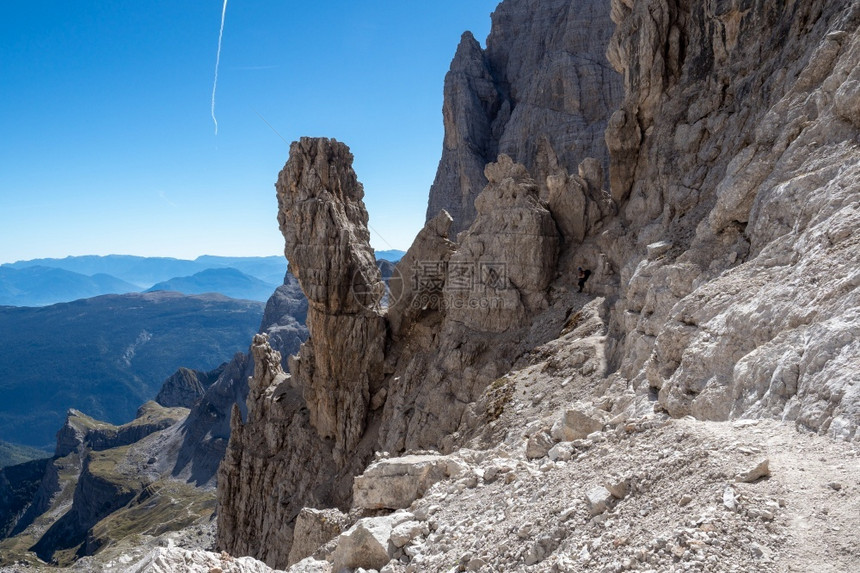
(108, 145)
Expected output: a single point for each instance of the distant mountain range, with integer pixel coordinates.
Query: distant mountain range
(109, 354)
(392, 255)
(42, 282)
(38, 285)
(147, 271)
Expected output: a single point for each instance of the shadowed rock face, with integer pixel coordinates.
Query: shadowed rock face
(302, 440)
(542, 75)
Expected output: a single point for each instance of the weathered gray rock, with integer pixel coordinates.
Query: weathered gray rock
(578, 202)
(760, 470)
(739, 152)
(505, 261)
(366, 544)
(598, 499)
(301, 436)
(578, 422)
(543, 75)
(538, 445)
(275, 450)
(311, 565)
(314, 528)
(178, 560)
(406, 532)
(324, 223)
(394, 483)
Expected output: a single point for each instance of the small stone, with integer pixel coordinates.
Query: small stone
(524, 530)
(835, 485)
(405, 533)
(729, 499)
(598, 499)
(618, 486)
(565, 515)
(562, 451)
(584, 555)
(685, 500)
(538, 445)
(760, 551)
(476, 564)
(760, 470)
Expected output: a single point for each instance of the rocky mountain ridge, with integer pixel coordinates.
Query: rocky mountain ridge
(107, 484)
(108, 355)
(543, 77)
(698, 236)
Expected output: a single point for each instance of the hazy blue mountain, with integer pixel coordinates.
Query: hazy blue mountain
(14, 454)
(268, 269)
(147, 271)
(38, 286)
(141, 271)
(107, 355)
(227, 281)
(392, 255)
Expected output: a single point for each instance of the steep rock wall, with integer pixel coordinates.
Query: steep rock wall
(543, 75)
(735, 156)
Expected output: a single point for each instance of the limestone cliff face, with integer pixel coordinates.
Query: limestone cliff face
(543, 75)
(735, 158)
(275, 464)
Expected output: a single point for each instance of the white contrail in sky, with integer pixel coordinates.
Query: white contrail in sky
(217, 62)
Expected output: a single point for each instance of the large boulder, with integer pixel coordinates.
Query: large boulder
(395, 483)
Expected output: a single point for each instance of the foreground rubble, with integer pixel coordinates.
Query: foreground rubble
(673, 497)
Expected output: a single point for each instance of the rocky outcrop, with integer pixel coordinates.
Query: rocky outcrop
(542, 75)
(506, 260)
(403, 386)
(82, 432)
(100, 490)
(178, 560)
(186, 386)
(470, 310)
(301, 437)
(276, 451)
(396, 482)
(324, 223)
